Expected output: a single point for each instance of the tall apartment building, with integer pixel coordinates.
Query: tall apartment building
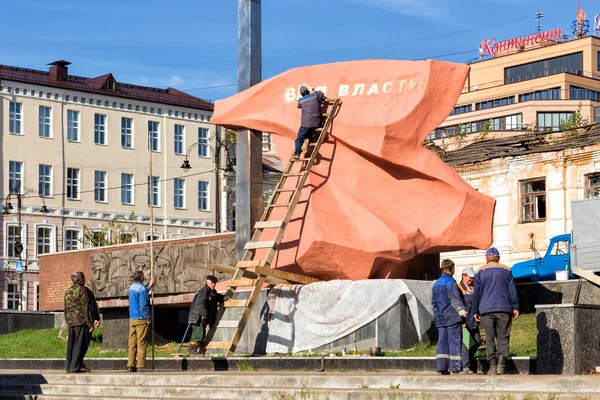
(534, 81)
(81, 148)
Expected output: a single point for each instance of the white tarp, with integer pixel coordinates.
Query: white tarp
(305, 317)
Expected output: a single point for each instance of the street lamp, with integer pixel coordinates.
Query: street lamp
(18, 246)
(219, 144)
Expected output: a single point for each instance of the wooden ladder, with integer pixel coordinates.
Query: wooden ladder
(261, 270)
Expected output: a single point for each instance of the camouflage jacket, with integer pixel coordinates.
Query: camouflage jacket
(78, 308)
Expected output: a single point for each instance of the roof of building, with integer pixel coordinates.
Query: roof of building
(271, 164)
(104, 85)
(514, 146)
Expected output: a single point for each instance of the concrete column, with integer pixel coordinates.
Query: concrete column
(248, 143)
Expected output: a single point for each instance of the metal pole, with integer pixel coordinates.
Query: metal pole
(217, 182)
(20, 257)
(151, 242)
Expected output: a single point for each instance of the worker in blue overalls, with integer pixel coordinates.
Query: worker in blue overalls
(449, 313)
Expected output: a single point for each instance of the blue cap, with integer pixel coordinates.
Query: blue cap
(492, 252)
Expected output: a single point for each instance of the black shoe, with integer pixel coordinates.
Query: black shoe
(443, 372)
(296, 156)
(85, 369)
(501, 370)
(131, 369)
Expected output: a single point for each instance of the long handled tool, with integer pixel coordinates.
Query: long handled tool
(183, 340)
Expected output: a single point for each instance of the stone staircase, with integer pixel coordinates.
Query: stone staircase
(290, 385)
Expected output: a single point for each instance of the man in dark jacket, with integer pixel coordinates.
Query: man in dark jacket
(471, 336)
(81, 320)
(203, 311)
(495, 304)
(310, 103)
(449, 311)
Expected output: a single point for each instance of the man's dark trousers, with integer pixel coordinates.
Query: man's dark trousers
(497, 334)
(467, 355)
(303, 134)
(448, 348)
(77, 345)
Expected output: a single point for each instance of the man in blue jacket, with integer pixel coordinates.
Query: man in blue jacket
(495, 304)
(310, 103)
(449, 311)
(139, 321)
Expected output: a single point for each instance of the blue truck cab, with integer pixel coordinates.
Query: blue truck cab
(557, 258)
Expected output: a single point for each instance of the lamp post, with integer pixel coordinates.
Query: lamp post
(18, 246)
(219, 144)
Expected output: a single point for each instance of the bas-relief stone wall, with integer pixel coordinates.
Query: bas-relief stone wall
(499, 178)
(180, 266)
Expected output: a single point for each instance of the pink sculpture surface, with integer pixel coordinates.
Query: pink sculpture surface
(375, 199)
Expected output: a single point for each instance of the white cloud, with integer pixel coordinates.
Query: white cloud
(421, 8)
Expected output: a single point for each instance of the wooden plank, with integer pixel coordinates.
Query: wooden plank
(244, 274)
(259, 245)
(286, 190)
(219, 345)
(228, 324)
(236, 303)
(251, 263)
(279, 205)
(268, 224)
(241, 282)
(244, 320)
(288, 276)
(292, 175)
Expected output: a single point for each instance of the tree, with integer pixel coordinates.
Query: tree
(459, 137)
(485, 131)
(574, 123)
(112, 233)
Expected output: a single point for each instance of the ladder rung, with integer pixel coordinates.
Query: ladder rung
(241, 282)
(301, 159)
(236, 303)
(312, 144)
(326, 115)
(228, 324)
(219, 345)
(269, 224)
(285, 190)
(279, 205)
(251, 263)
(260, 245)
(331, 101)
(288, 175)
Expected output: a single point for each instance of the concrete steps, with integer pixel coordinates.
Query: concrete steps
(288, 386)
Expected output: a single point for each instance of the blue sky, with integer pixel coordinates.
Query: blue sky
(192, 44)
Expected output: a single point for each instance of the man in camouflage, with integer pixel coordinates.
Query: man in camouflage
(81, 320)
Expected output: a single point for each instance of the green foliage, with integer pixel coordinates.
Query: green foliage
(572, 126)
(459, 137)
(245, 366)
(111, 234)
(485, 131)
(230, 136)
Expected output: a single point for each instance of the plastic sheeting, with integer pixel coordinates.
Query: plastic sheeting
(305, 317)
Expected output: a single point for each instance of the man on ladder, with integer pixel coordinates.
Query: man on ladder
(310, 103)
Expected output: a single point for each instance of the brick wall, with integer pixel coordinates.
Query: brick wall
(56, 269)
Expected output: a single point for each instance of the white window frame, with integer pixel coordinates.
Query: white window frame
(129, 187)
(41, 189)
(179, 139)
(73, 183)
(203, 143)
(178, 236)
(52, 238)
(15, 118)
(45, 122)
(151, 190)
(126, 133)
(13, 175)
(157, 236)
(207, 196)
(23, 239)
(80, 235)
(73, 126)
(100, 130)
(179, 193)
(100, 186)
(5, 303)
(98, 230)
(154, 135)
(36, 296)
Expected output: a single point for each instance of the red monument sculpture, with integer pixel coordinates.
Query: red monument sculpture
(376, 199)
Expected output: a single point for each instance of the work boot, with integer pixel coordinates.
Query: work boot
(296, 156)
(193, 349)
(493, 367)
(501, 365)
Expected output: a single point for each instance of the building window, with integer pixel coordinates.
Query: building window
(179, 134)
(14, 118)
(45, 122)
(127, 188)
(507, 123)
(546, 94)
(579, 93)
(155, 191)
(203, 196)
(598, 61)
(551, 121)
(126, 237)
(597, 114)
(179, 193)
(570, 63)
(15, 176)
(99, 129)
(127, 133)
(154, 135)
(504, 101)
(73, 183)
(44, 239)
(533, 200)
(156, 236)
(72, 239)
(12, 295)
(12, 236)
(72, 126)
(45, 180)
(100, 186)
(98, 238)
(202, 142)
(462, 109)
(592, 186)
